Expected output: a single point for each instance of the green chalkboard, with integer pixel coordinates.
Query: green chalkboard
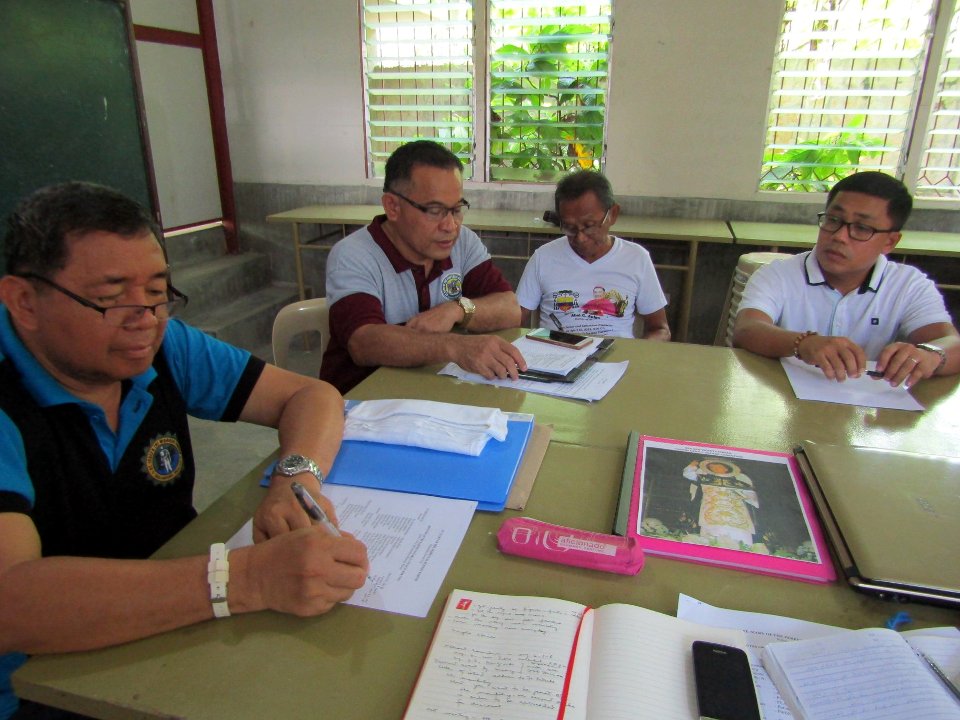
(69, 101)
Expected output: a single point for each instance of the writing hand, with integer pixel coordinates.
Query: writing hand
(304, 572)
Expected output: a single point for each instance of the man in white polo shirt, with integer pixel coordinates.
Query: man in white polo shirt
(844, 303)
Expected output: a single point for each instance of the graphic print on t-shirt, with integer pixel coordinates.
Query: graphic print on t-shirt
(604, 302)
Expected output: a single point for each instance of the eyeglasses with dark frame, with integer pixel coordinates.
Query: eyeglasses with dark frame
(436, 211)
(857, 231)
(121, 315)
(588, 230)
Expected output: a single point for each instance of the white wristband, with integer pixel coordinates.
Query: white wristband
(218, 575)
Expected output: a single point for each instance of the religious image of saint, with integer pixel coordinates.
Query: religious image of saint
(728, 502)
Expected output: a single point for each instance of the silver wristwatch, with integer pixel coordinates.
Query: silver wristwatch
(291, 465)
(938, 350)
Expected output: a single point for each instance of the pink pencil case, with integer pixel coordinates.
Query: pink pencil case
(569, 546)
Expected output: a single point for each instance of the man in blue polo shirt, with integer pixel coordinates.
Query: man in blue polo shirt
(96, 467)
(844, 303)
(415, 286)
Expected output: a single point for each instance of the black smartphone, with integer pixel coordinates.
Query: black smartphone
(725, 688)
(557, 337)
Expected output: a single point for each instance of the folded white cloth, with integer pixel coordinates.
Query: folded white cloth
(424, 423)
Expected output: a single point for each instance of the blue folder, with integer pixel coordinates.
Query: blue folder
(486, 478)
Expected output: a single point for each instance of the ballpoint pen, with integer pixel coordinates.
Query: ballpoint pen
(556, 322)
(312, 508)
(955, 691)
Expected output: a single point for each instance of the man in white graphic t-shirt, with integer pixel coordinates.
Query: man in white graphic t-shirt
(589, 281)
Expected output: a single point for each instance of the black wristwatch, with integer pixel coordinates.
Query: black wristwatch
(935, 349)
(291, 465)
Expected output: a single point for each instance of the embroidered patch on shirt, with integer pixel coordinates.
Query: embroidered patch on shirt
(451, 286)
(163, 460)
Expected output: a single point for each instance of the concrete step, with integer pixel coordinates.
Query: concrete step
(195, 247)
(247, 321)
(219, 281)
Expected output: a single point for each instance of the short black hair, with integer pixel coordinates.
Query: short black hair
(580, 183)
(405, 158)
(39, 226)
(879, 185)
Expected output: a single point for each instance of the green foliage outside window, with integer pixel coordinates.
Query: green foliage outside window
(548, 94)
(819, 164)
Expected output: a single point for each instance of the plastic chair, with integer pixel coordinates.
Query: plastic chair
(746, 265)
(297, 318)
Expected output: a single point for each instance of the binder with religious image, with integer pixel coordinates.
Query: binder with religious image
(726, 506)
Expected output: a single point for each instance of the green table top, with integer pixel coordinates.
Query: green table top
(701, 393)
(357, 663)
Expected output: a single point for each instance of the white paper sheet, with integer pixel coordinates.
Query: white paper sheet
(411, 541)
(809, 383)
(593, 384)
(553, 358)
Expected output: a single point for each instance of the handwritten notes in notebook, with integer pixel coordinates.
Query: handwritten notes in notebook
(498, 657)
(502, 657)
(869, 673)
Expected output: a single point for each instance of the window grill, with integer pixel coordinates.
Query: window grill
(418, 77)
(547, 64)
(846, 81)
(939, 175)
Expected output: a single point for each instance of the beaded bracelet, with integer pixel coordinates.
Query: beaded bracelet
(798, 339)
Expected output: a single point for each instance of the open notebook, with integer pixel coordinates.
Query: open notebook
(505, 657)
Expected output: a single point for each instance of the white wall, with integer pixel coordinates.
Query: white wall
(687, 103)
(689, 96)
(293, 90)
(178, 116)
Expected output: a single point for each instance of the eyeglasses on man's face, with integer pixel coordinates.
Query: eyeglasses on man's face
(591, 230)
(122, 315)
(856, 231)
(436, 211)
